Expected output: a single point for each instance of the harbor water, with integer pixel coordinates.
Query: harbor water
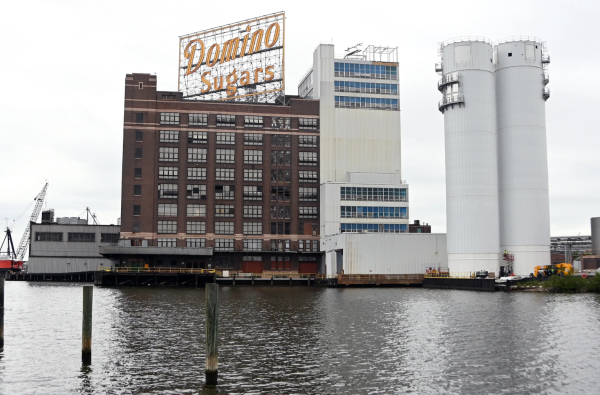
(302, 340)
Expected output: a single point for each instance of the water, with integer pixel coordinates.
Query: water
(302, 341)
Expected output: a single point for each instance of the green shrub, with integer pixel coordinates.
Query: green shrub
(593, 283)
(567, 284)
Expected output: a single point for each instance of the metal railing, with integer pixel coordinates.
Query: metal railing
(466, 39)
(375, 277)
(455, 98)
(449, 78)
(161, 270)
(451, 275)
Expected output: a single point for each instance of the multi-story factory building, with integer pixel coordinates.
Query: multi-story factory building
(213, 184)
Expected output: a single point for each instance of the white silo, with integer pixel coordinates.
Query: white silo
(522, 154)
(469, 108)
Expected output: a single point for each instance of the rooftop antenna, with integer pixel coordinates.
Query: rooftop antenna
(88, 214)
(353, 50)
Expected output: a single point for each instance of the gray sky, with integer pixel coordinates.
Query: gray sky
(64, 64)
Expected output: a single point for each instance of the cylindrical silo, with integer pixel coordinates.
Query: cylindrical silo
(595, 235)
(469, 108)
(522, 154)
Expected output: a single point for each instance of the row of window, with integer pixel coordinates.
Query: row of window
(366, 71)
(373, 194)
(373, 212)
(77, 237)
(374, 103)
(366, 87)
(229, 120)
(199, 173)
(227, 192)
(228, 138)
(249, 245)
(223, 228)
(381, 228)
(251, 157)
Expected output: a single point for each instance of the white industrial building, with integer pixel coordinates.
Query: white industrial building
(69, 245)
(496, 163)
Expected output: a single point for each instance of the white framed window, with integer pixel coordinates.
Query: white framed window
(197, 137)
(224, 210)
(226, 120)
(169, 136)
(253, 121)
(253, 211)
(198, 119)
(195, 227)
(225, 192)
(196, 173)
(225, 138)
(253, 245)
(307, 176)
(253, 174)
(167, 191)
(253, 139)
(253, 192)
(307, 194)
(281, 140)
(196, 191)
(167, 227)
(253, 228)
(224, 228)
(307, 158)
(166, 242)
(167, 209)
(225, 156)
(195, 243)
(307, 141)
(280, 122)
(224, 244)
(197, 155)
(307, 123)
(168, 173)
(196, 210)
(168, 154)
(169, 118)
(308, 212)
(225, 174)
(252, 156)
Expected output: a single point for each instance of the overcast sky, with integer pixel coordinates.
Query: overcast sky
(64, 63)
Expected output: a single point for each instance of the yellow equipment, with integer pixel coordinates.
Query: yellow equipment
(559, 269)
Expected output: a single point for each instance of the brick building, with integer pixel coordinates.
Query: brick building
(222, 185)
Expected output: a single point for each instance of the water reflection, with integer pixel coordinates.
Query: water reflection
(302, 340)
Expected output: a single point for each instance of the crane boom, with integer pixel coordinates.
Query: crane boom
(34, 215)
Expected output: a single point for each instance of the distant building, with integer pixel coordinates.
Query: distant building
(417, 227)
(68, 245)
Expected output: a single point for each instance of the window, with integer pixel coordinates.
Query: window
(280, 193)
(169, 136)
(226, 120)
(139, 136)
(166, 242)
(252, 245)
(281, 175)
(366, 87)
(253, 139)
(196, 191)
(305, 228)
(308, 158)
(169, 118)
(253, 211)
(106, 237)
(137, 209)
(167, 209)
(168, 173)
(198, 119)
(197, 155)
(225, 174)
(307, 176)
(169, 97)
(307, 141)
(369, 103)
(225, 156)
(280, 123)
(253, 192)
(253, 228)
(197, 137)
(252, 121)
(281, 211)
(223, 244)
(280, 228)
(135, 227)
(137, 172)
(224, 228)
(138, 153)
(196, 173)
(195, 243)
(49, 236)
(385, 228)
(82, 237)
(168, 154)
(281, 140)
(308, 212)
(307, 123)
(224, 192)
(253, 174)
(224, 210)
(137, 190)
(307, 194)
(373, 212)
(196, 210)
(167, 191)
(195, 227)
(252, 157)
(280, 245)
(366, 71)
(306, 247)
(281, 158)
(139, 118)
(167, 227)
(374, 194)
(225, 138)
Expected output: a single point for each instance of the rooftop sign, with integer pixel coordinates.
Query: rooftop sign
(243, 61)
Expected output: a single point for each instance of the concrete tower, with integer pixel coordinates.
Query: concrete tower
(469, 108)
(522, 153)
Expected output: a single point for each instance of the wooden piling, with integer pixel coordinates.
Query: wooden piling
(1, 313)
(212, 329)
(86, 337)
